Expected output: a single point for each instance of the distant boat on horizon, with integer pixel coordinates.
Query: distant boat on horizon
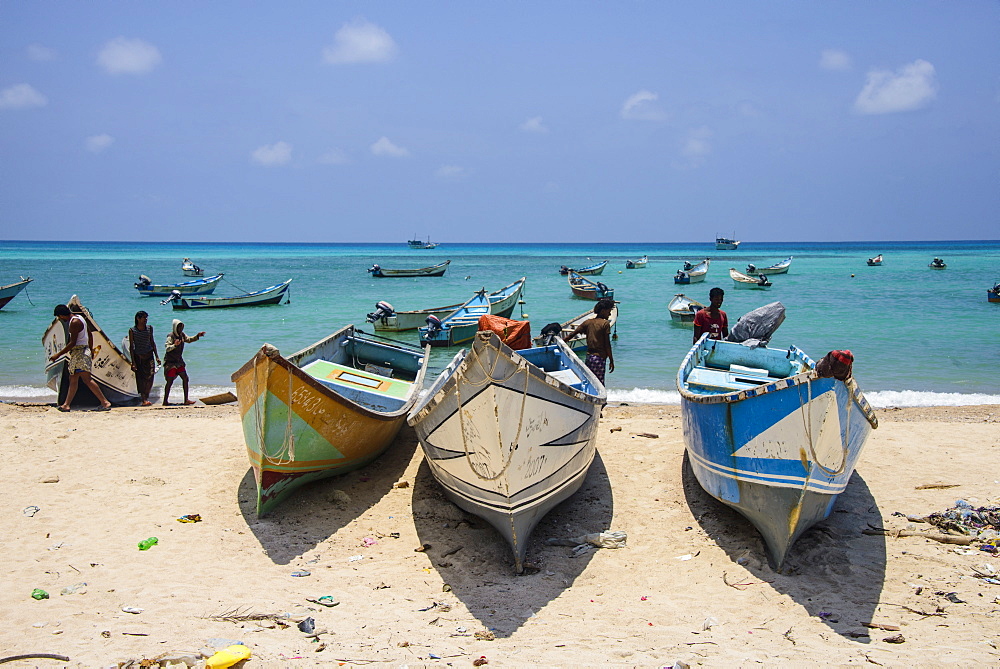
(727, 243)
(420, 244)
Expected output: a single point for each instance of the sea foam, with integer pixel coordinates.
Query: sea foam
(878, 399)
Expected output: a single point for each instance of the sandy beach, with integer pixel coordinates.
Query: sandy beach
(691, 585)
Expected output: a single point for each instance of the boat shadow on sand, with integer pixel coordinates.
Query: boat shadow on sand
(319, 510)
(481, 573)
(833, 571)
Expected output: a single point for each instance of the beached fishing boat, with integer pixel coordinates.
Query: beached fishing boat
(682, 308)
(743, 281)
(587, 289)
(636, 264)
(420, 244)
(577, 344)
(726, 244)
(204, 286)
(993, 294)
(776, 268)
(111, 370)
(876, 261)
(386, 319)
(10, 291)
(190, 269)
(692, 273)
(328, 409)
(937, 263)
(462, 324)
(508, 435)
(769, 437)
(591, 270)
(433, 270)
(270, 295)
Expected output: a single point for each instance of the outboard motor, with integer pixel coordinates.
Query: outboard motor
(375, 269)
(763, 279)
(751, 268)
(174, 295)
(688, 266)
(550, 332)
(601, 287)
(680, 274)
(433, 324)
(564, 269)
(382, 310)
(144, 282)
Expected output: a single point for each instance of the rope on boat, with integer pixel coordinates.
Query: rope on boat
(286, 453)
(806, 412)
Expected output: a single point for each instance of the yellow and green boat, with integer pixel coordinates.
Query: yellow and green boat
(328, 409)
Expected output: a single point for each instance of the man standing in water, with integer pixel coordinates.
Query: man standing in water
(598, 331)
(79, 345)
(712, 319)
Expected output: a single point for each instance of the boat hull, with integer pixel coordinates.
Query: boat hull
(510, 443)
(272, 295)
(197, 287)
(683, 309)
(778, 453)
(462, 324)
(593, 270)
(8, 293)
(434, 270)
(993, 295)
(298, 431)
(111, 371)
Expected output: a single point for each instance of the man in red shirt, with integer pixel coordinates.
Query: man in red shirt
(712, 320)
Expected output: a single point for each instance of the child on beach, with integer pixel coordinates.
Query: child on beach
(142, 350)
(712, 319)
(79, 345)
(173, 360)
(598, 331)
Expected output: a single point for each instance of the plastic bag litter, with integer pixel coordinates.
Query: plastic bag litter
(760, 324)
(597, 539)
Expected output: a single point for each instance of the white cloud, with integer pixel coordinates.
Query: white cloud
(833, 59)
(21, 96)
(128, 56)
(534, 124)
(383, 147)
(99, 143)
(451, 172)
(41, 53)
(360, 42)
(695, 148)
(270, 155)
(910, 87)
(642, 106)
(334, 157)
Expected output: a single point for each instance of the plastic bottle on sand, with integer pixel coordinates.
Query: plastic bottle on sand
(227, 657)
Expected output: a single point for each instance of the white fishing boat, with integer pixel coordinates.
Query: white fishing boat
(508, 435)
(743, 281)
(876, 261)
(692, 273)
(10, 291)
(386, 319)
(637, 264)
(579, 342)
(682, 308)
(727, 243)
(270, 295)
(190, 269)
(776, 268)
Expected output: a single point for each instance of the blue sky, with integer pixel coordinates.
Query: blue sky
(509, 121)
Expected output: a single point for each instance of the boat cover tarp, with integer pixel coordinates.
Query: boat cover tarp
(516, 334)
(760, 324)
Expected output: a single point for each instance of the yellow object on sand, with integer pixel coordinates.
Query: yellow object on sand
(227, 657)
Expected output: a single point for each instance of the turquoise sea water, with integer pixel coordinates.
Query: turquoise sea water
(919, 336)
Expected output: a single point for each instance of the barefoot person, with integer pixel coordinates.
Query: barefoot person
(79, 344)
(598, 331)
(173, 360)
(712, 319)
(142, 351)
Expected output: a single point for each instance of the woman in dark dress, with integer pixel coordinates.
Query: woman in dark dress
(142, 352)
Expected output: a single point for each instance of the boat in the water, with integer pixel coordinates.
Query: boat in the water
(10, 291)
(637, 264)
(433, 270)
(590, 270)
(420, 244)
(743, 281)
(876, 261)
(587, 289)
(692, 273)
(387, 319)
(462, 324)
(203, 286)
(510, 434)
(766, 435)
(726, 244)
(190, 269)
(111, 369)
(776, 268)
(270, 295)
(937, 263)
(328, 409)
(682, 308)
(577, 344)
(993, 294)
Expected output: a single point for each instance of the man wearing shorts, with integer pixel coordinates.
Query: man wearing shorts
(598, 331)
(79, 344)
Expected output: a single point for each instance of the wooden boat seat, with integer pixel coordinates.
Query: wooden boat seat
(567, 376)
(340, 377)
(727, 380)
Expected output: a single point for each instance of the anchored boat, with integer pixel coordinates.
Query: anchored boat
(385, 318)
(328, 409)
(776, 268)
(692, 273)
(508, 435)
(270, 295)
(587, 289)
(434, 270)
(462, 324)
(204, 286)
(637, 264)
(578, 344)
(743, 281)
(590, 270)
(683, 309)
(190, 269)
(10, 291)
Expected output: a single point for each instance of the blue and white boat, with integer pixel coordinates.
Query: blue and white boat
(462, 324)
(692, 273)
(769, 437)
(204, 286)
